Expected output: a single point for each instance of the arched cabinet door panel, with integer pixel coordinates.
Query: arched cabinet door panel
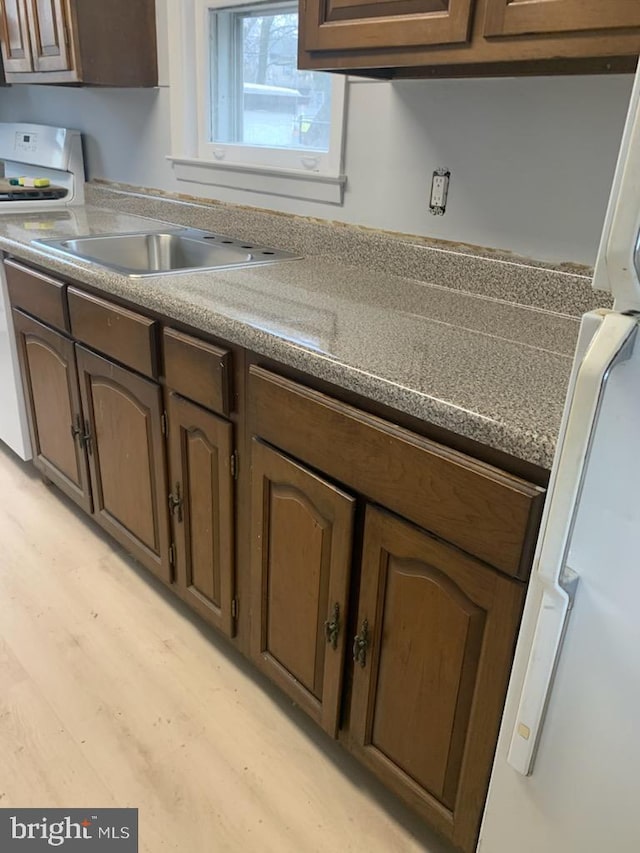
(123, 422)
(435, 637)
(302, 529)
(50, 382)
(201, 487)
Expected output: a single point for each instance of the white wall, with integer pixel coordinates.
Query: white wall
(531, 158)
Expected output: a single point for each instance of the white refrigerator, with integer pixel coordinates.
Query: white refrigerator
(566, 778)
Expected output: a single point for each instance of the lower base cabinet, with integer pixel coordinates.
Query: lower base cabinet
(429, 655)
(96, 430)
(421, 625)
(436, 634)
(302, 540)
(123, 416)
(384, 572)
(56, 424)
(201, 505)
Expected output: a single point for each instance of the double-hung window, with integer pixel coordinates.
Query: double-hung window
(243, 115)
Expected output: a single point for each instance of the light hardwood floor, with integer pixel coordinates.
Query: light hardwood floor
(112, 695)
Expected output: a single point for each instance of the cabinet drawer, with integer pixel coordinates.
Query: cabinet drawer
(122, 334)
(37, 294)
(481, 509)
(198, 370)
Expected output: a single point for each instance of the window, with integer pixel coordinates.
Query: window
(246, 116)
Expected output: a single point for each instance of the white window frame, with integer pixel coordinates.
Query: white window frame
(295, 173)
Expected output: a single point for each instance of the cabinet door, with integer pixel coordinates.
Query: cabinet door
(436, 633)
(344, 25)
(16, 55)
(200, 448)
(123, 413)
(302, 534)
(48, 29)
(50, 381)
(536, 17)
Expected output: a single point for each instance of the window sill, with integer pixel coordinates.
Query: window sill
(259, 179)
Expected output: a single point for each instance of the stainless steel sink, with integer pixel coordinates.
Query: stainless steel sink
(163, 252)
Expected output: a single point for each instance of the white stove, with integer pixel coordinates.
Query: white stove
(41, 151)
(32, 151)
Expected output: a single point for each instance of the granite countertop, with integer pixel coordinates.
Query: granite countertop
(480, 366)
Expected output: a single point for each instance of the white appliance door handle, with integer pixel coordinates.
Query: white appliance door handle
(612, 344)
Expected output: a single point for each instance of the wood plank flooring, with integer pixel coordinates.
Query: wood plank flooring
(112, 694)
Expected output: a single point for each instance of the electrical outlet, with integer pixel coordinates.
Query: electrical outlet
(439, 191)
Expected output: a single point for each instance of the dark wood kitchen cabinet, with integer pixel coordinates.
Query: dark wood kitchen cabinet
(302, 532)
(537, 17)
(403, 38)
(436, 595)
(56, 423)
(379, 573)
(350, 24)
(79, 41)
(125, 422)
(95, 422)
(477, 507)
(436, 635)
(201, 505)
(203, 470)
(123, 415)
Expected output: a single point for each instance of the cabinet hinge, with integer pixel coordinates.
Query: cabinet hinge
(234, 608)
(172, 555)
(165, 424)
(235, 464)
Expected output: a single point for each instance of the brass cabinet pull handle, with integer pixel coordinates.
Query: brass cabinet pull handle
(85, 438)
(361, 644)
(332, 627)
(175, 503)
(83, 435)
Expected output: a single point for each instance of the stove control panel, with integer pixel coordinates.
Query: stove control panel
(26, 141)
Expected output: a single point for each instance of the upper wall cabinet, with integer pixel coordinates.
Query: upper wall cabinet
(414, 38)
(79, 41)
(16, 53)
(533, 17)
(349, 24)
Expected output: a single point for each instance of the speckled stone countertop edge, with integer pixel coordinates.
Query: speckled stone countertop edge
(511, 438)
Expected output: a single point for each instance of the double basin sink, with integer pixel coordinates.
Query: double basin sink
(170, 251)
